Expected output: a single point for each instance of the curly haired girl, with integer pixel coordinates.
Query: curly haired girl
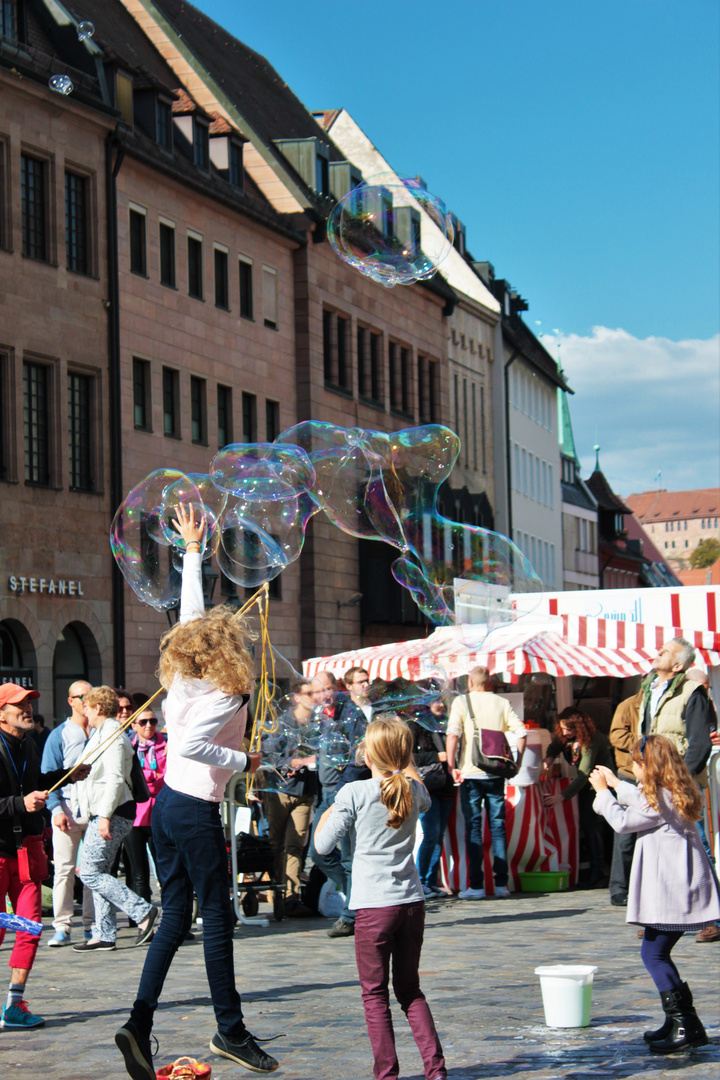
(386, 890)
(673, 887)
(207, 670)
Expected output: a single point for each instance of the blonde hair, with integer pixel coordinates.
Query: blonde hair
(664, 768)
(104, 699)
(388, 744)
(214, 647)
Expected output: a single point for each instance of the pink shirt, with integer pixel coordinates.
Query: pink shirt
(204, 726)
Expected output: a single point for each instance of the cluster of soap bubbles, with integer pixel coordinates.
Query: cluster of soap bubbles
(256, 503)
(316, 726)
(258, 497)
(391, 229)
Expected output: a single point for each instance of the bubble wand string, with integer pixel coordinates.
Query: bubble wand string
(98, 751)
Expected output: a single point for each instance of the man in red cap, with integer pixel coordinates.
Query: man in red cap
(23, 791)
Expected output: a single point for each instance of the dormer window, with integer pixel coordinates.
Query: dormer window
(163, 123)
(343, 178)
(311, 160)
(235, 165)
(200, 143)
(12, 20)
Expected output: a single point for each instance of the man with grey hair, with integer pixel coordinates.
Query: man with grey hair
(677, 707)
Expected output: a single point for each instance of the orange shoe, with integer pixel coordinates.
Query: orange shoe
(185, 1068)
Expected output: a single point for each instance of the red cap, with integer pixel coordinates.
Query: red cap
(12, 694)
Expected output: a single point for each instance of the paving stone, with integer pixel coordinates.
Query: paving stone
(477, 973)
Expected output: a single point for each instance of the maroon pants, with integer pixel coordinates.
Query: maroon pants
(397, 932)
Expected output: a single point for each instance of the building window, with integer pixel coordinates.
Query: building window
(36, 419)
(138, 242)
(399, 378)
(235, 165)
(246, 288)
(482, 429)
(427, 390)
(171, 403)
(80, 432)
(525, 472)
(195, 266)
(222, 291)
(141, 394)
(336, 343)
(224, 414)
(270, 297)
(4, 222)
(124, 96)
(272, 420)
(76, 223)
(369, 358)
(249, 418)
(200, 143)
(12, 23)
(167, 254)
(34, 207)
(198, 410)
(164, 124)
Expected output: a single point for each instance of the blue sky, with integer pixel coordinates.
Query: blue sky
(579, 142)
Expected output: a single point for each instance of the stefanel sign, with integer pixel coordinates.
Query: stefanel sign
(45, 586)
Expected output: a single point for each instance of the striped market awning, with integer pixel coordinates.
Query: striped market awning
(577, 645)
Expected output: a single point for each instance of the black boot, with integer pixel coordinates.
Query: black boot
(667, 1000)
(686, 1029)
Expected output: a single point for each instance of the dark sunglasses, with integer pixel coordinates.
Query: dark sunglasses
(143, 723)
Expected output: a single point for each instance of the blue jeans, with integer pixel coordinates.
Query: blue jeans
(433, 823)
(473, 793)
(191, 855)
(337, 870)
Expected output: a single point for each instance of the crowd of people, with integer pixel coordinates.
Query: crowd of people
(153, 797)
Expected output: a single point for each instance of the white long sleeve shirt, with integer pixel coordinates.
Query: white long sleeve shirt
(205, 727)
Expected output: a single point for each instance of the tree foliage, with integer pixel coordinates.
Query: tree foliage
(706, 553)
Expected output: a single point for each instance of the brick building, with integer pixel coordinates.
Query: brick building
(55, 598)
(677, 521)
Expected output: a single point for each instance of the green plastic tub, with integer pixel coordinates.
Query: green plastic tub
(544, 881)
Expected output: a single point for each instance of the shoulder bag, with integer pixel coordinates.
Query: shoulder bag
(490, 750)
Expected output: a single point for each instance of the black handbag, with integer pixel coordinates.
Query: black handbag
(138, 783)
(434, 776)
(490, 750)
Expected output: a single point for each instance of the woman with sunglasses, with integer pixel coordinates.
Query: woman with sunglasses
(673, 887)
(151, 749)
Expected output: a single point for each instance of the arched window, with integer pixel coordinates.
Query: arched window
(17, 654)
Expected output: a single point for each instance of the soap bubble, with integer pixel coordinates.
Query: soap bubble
(85, 30)
(262, 472)
(257, 541)
(385, 487)
(391, 229)
(61, 84)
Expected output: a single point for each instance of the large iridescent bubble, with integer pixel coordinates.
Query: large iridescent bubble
(262, 472)
(384, 486)
(391, 229)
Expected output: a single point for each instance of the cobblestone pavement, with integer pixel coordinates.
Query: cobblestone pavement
(477, 972)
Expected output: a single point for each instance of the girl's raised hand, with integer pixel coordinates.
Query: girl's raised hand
(610, 777)
(597, 780)
(190, 530)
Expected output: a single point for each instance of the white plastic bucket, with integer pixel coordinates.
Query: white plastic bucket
(567, 994)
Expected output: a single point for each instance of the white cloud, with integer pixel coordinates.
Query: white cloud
(654, 403)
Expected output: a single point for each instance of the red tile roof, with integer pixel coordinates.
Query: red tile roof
(675, 505)
(708, 576)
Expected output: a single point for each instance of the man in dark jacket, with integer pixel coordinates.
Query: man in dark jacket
(23, 793)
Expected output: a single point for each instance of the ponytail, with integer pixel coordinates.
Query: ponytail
(389, 745)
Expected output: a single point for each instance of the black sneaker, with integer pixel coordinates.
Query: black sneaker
(246, 1053)
(147, 933)
(341, 928)
(94, 946)
(135, 1048)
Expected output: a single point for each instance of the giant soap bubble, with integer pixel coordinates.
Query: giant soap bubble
(391, 229)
